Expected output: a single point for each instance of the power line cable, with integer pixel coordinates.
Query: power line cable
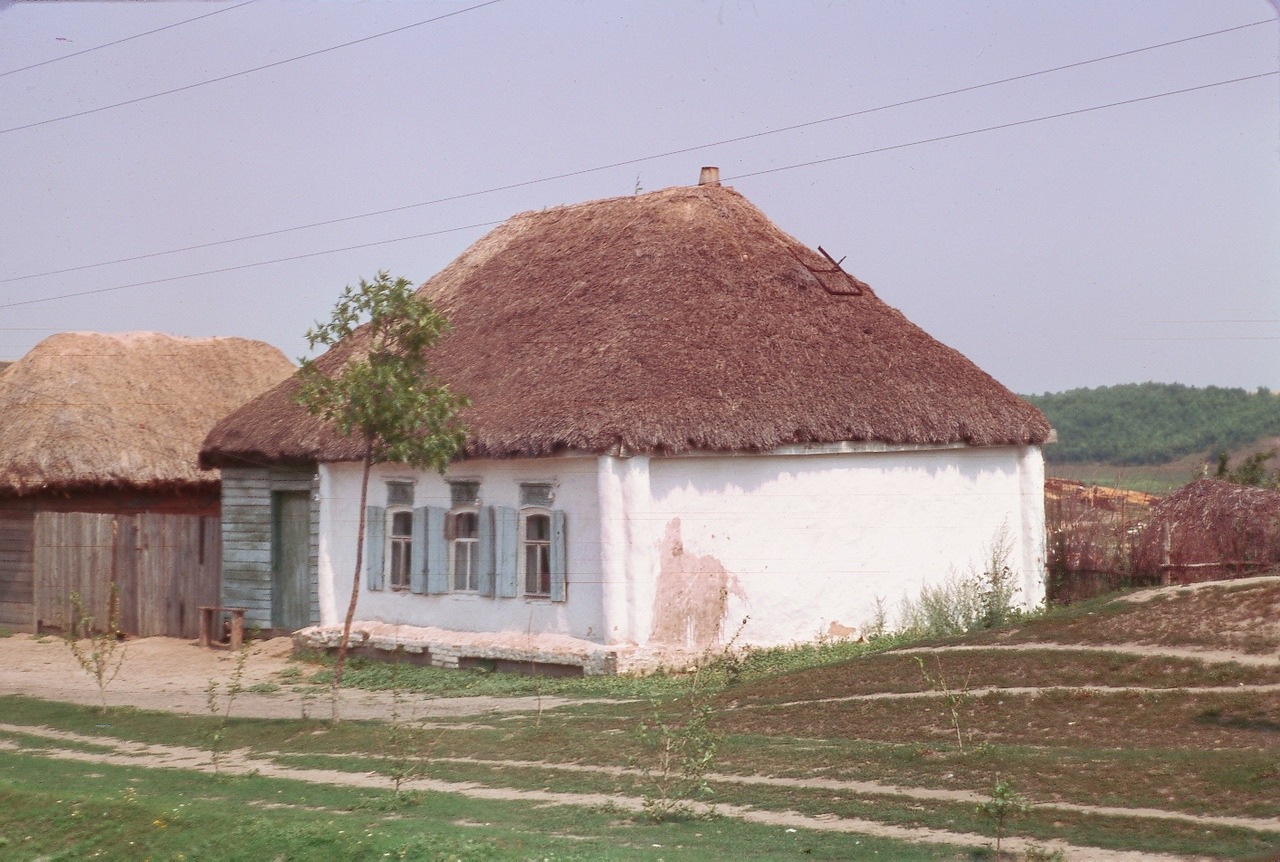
(810, 163)
(125, 39)
(249, 265)
(625, 162)
(244, 72)
(995, 128)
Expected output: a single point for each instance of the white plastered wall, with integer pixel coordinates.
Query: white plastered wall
(574, 480)
(801, 545)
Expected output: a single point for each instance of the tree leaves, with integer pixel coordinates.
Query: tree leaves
(384, 393)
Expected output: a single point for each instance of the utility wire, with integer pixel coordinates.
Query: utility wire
(1011, 125)
(249, 265)
(810, 163)
(632, 161)
(125, 39)
(244, 72)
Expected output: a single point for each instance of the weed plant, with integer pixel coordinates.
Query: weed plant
(678, 750)
(1004, 805)
(956, 699)
(975, 601)
(402, 742)
(220, 707)
(99, 652)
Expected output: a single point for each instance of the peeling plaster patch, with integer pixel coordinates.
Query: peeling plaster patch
(835, 630)
(692, 594)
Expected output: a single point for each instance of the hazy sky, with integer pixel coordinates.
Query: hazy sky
(1129, 243)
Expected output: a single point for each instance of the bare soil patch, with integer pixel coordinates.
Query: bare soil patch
(1241, 616)
(993, 667)
(171, 674)
(1073, 717)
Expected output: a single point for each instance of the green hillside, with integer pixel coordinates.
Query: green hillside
(1155, 423)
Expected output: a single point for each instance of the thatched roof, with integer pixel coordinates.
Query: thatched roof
(88, 411)
(1211, 521)
(666, 322)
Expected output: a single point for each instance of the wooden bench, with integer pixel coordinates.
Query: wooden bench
(211, 614)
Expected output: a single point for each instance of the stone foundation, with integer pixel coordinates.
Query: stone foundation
(509, 652)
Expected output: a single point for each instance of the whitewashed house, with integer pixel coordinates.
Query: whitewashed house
(683, 419)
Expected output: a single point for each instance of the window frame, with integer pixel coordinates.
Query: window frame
(524, 544)
(394, 540)
(472, 542)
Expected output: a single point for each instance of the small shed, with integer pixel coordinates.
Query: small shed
(100, 491)
(687, 428)
(1211, 529)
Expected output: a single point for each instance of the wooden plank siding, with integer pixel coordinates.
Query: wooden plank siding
(247, 537)
(164, 567)
(17, 590)
(73, 559)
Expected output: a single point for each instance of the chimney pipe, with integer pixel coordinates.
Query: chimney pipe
(710, 176)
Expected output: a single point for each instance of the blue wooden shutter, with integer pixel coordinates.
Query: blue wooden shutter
(559, 564)
(484, 548)
(506, 540)
(375, 526)
(418, 552)
(437, 552)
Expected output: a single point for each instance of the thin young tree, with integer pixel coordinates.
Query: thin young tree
(380, 391)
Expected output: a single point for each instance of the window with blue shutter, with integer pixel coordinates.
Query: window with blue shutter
(418, 555)
(540, 543)
(559, 558)
(374, 537)
(485, 549)
(437, 551)
(462, 532)
(506, 541)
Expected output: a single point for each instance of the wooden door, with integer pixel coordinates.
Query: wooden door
(17, 576)
(290, 553)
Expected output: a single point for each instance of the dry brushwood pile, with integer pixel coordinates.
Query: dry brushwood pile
(1211, 529)
(1091, 530)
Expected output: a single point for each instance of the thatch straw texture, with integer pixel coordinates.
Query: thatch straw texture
(89, 411)
(666, 322)
(1214, 527)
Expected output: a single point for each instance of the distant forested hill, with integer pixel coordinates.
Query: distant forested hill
(1152, 423)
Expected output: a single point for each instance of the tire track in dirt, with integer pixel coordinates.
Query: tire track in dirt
(1262, 824)
(1202, 656)
(1021, 689)
(1205, 656)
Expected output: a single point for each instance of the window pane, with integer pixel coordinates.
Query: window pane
(537, 569)
(402, 524)
(399, 493)
(538, 528)
(536, 494)
(464, 564)
(400, 563)
(468, 525)
(464, 493)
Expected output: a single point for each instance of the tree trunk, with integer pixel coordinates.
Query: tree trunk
(340, 662)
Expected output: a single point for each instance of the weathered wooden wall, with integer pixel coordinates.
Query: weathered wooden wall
(16, 533)
(247, 538)
(164, 567)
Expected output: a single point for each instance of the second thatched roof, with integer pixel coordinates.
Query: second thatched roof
(88, 411)
(666, 322)
(1214, 527)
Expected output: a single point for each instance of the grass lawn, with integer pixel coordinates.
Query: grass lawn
(813, 741)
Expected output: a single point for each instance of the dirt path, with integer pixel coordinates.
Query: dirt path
(1202, 655)
(171, 674)
(125, 753)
